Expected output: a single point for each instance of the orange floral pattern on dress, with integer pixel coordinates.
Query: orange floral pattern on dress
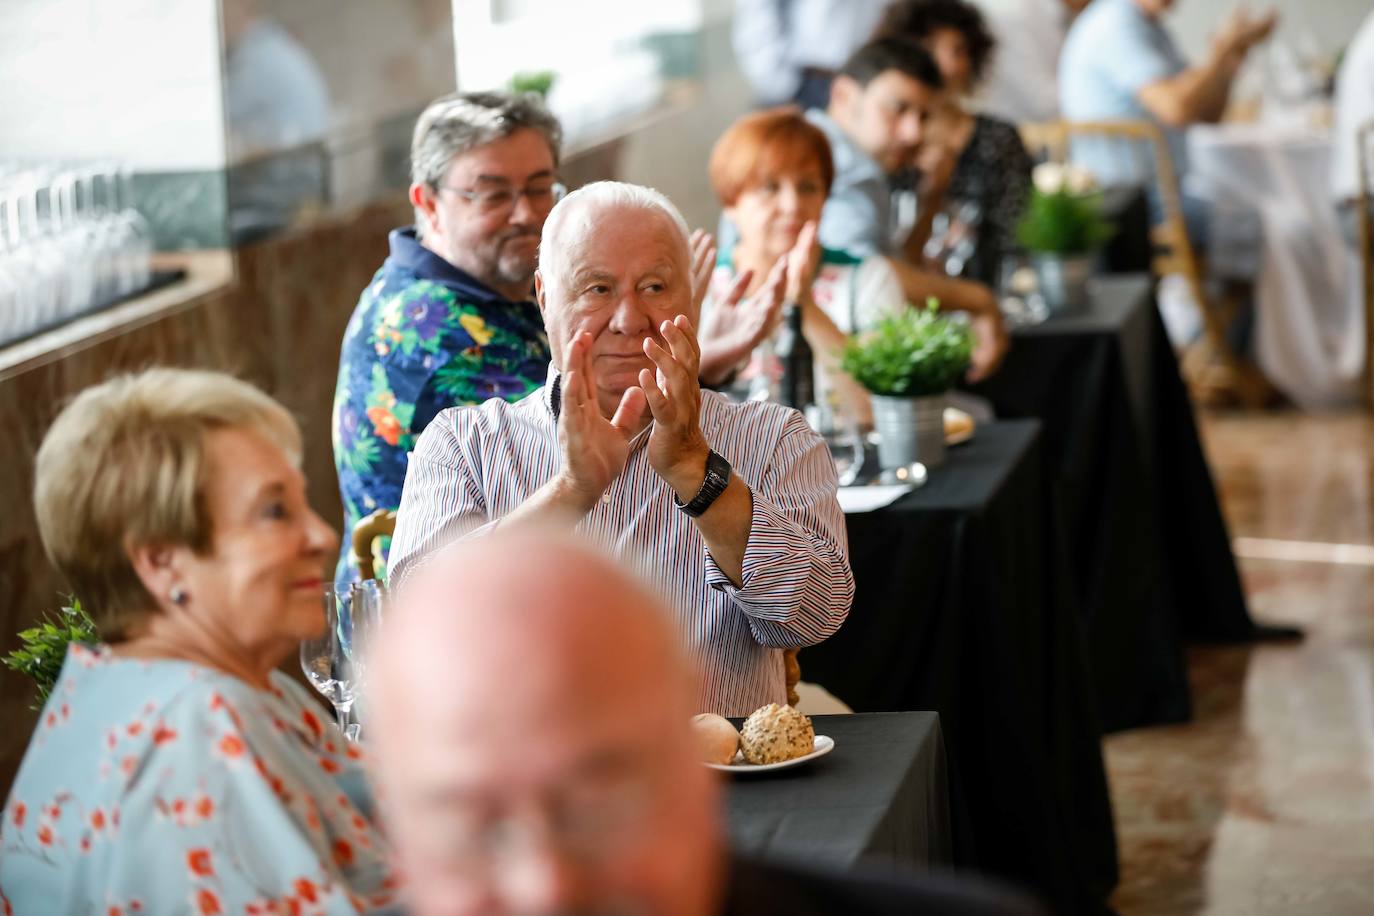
(184, 737)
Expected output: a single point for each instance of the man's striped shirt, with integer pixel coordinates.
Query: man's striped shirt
(475, 465)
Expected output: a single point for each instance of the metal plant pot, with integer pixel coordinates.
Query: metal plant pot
(909, 430)
(1063, 280)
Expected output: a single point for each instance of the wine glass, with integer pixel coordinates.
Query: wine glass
(954, 236)
(842, 437)
(327, 660)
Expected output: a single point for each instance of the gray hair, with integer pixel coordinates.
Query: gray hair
(575, 214)
(462, 121)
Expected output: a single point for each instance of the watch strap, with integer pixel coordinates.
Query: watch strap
(717, 479)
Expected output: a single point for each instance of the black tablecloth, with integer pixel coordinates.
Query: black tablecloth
(881, 796)
(1129, 250)
(1133, 495)
(964, 605)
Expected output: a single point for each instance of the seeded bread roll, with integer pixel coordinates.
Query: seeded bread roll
(716, 738)
(776, 733)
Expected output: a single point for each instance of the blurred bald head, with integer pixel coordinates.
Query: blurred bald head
(530, 713)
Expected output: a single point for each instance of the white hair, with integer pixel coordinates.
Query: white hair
(572, 219)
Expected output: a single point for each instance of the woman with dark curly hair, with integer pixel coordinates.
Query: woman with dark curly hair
(966, 157)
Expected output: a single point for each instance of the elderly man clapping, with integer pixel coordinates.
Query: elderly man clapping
(732, 506)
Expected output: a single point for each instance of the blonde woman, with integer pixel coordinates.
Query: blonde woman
(173, 769)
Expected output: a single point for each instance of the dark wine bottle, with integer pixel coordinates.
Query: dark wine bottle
(798, 387)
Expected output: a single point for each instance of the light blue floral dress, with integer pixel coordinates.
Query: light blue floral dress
(168, 787)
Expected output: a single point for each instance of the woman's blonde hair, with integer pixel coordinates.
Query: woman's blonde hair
(125, 464)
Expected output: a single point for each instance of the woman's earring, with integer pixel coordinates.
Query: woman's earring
(178, 595)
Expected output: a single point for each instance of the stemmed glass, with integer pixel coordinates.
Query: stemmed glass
(954, 236)
(842, 437)
(327, 660)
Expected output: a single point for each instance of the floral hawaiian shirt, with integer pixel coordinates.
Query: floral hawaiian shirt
(169, 787)
(425, 336)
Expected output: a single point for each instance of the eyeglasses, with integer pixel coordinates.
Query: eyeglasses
(541, 195)
(588, 822)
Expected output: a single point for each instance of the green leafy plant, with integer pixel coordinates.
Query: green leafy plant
(913, 353)
(45, 646)
(536, 81)
(1062, 222)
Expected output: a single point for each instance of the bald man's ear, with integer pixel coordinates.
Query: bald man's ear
(539, 292)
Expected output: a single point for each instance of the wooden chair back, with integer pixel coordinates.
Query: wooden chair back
(364, 540)
(1364, 158)
(1174, 252)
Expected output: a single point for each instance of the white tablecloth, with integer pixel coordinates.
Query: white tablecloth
(1309, 331)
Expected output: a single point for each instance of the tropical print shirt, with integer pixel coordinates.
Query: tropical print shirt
(425, 336)
(169, 787)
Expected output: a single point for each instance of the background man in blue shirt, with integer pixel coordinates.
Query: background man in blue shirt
(875, 122)
(1120, 62)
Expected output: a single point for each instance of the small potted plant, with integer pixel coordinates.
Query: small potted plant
(907, 362)
(1063, 229)
(539, 82)
(44, 647)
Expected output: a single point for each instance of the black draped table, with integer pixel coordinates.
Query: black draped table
(1127, 209)
(1133, 497)
(880, 796)
(964, 605)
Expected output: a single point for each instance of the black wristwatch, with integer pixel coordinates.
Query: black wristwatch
(717, 479)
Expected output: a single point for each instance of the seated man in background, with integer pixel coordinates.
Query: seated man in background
(879, 105)
(1120, 63)
(533, 754)
(734, 504)
(450, 317)
(978, 159)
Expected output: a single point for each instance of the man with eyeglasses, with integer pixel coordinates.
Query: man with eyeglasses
(450, 317)
(531, 750)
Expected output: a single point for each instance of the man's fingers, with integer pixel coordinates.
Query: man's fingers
(572, 388)
(681, 338)
(675, 372)
(588, 372)
(653, 394)
(630, 409)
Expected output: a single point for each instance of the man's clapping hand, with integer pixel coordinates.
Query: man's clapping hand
(677, 448)
(594, 448)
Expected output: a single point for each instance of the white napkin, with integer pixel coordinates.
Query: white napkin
(866, 499)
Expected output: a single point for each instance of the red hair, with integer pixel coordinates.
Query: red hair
(765, 144)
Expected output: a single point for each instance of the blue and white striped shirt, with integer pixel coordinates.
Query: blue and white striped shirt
(475, 465)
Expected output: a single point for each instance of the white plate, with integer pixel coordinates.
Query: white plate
(822, 746)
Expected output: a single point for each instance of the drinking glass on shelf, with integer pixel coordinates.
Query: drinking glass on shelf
(327, 660)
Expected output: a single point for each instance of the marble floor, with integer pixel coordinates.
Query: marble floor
(1265, 802)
